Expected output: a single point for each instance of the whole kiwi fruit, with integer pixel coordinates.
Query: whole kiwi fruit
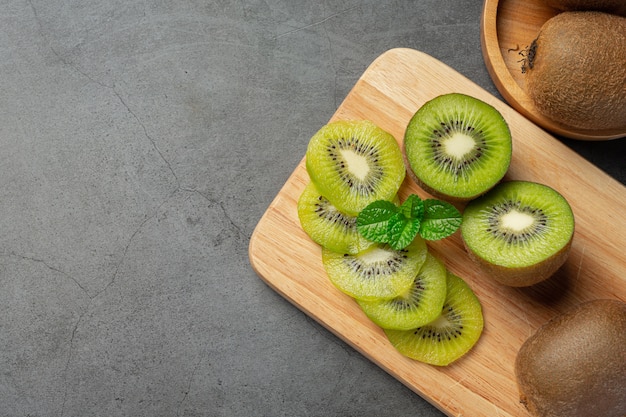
(575, 71)
(607, 6)
(575, 364)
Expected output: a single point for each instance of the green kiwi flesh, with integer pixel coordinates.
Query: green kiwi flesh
(354, 163)
(520, 232)
(326, 225)
(451, 335)
(376, 272)
(457, 147)
(419, 304)
(575, 364)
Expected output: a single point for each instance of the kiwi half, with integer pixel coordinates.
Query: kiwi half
(451, 335)
(376, 272)
(326, 225)
(419, 304)
(457, 147)
(354, 163)
(520, 232)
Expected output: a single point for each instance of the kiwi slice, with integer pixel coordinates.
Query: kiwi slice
(457, 147)
(354, 163)
(376, 272)
(451, 335)
(326, 225)
(520, 232)
(419, 304)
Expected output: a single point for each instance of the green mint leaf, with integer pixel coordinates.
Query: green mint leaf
(384, 222)
(373, 221)
(402, 231)
(413, 207)
(441, 219)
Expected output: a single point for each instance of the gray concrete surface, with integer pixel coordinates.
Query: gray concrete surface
(141, 141)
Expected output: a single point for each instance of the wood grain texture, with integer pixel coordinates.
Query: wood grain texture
(507, 28)
(481, 383)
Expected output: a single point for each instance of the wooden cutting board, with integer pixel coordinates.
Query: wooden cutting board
(482, 383)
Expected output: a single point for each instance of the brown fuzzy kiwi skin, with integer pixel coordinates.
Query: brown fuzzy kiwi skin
(523, 277)
(575, 72)
(607, 6)
(575, 364)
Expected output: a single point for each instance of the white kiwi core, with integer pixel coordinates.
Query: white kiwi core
(357, 164)
(516, 221)
(375, 255)
(440, 322)
(459, 145)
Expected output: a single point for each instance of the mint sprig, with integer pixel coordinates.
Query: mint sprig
(384, 222)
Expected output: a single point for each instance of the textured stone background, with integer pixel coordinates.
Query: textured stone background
(141, 141)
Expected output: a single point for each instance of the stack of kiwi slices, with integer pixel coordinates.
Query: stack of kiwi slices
(427, 313)
(351, 163)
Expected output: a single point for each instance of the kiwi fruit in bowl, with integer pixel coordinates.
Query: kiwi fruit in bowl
(575, 72)
(354, 163)
(457, 147)
(575, 364)
(519, 233)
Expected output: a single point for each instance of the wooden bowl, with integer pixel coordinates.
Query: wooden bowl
(507, 28)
